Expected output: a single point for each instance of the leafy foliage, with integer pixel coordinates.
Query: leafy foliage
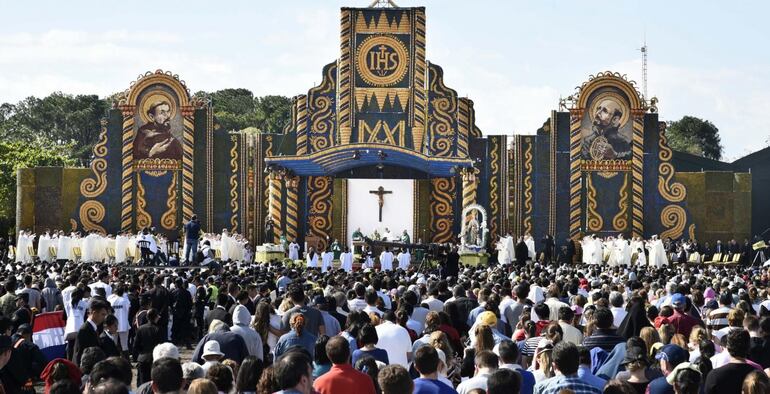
(20, 154)
(238, 109)
(59, 119)
(695, 136)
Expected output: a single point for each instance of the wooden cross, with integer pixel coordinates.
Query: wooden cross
(380, 192)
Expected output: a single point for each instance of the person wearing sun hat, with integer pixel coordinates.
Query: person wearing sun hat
(211, 354)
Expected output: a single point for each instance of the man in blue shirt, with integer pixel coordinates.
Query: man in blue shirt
(584, 370)
(426, 363)
(192, 233)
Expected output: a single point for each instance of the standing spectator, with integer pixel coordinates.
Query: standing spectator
(88, 335)
(426, 362)
(584, 370)
(313, 321)
(192, 232)
(508, 352)
(166, 375)
(342, 378)
(395, 379)
(760, 349)
(504, 381)
(298, 336)
(146, 338)
(120, 307)
(682, 321)
(108, 340)
(160, 300)
(604, 335)
(241, 321)
(395, 340)
(181, 309)
(729, 377)
(51, 296)
(486, 363)
(367, 346)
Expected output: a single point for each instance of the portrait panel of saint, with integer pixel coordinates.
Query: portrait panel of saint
(160, 127)
(606, 130)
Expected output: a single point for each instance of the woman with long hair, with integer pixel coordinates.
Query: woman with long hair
(248, 375)
(268, 325)
(298, 336)
(484, 341)
(650, 337)
(440, 341)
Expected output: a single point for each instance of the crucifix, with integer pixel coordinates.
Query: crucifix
(380, 192)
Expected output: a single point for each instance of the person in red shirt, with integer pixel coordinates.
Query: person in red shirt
(342, 377)
(682, 321)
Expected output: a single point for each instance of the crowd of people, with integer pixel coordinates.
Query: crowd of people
(525, 327)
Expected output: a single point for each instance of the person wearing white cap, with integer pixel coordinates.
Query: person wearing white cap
(211, 354)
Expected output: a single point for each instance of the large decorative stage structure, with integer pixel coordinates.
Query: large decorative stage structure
(381, 144)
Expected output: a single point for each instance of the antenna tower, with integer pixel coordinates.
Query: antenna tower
(643, 49)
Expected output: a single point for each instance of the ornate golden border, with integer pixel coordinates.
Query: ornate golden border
(528, 207)
(605, 165)
(620, 221)
(94, 187)
(234, 184)
(168, 219)
(673, 217)
(320, 189)
(441, 209)
(143, 218)
(92, 213)
(594, 221)
(494, 199)
(345, 113)
(157, 164)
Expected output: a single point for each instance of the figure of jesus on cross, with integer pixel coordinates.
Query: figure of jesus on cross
(380, 192)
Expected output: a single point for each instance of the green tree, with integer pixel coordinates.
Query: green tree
(19, 154)
(238, 109)
(273, 113)
(695, 136)
(234, 108)
(71, 122)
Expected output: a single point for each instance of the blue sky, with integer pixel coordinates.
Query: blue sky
(514, 59)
